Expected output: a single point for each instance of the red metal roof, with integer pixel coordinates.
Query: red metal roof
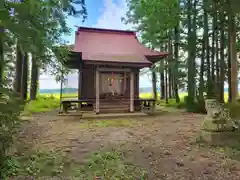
(112, 46)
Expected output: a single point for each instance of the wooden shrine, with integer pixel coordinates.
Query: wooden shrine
(109, 62)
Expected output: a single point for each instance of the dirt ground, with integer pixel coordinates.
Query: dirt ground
(164, 144)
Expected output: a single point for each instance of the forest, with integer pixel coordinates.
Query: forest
(201, 36)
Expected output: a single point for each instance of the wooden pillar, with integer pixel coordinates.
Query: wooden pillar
(154, 85)
(97, 91)
(80, 78)
(124, 83)
(132, 92)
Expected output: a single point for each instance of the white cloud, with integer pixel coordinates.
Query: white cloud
(112, 14)
(110, 18)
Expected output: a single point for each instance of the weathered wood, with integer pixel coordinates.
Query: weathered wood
(97, 91)
(88, 83)
(114, 69)
(80, 77)
(131, 91)
(124, 82)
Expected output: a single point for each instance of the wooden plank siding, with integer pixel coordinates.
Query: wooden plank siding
(87, 85)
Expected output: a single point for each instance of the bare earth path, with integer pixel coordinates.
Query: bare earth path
(164, 144)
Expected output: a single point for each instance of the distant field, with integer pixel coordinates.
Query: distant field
(50, 101)
(72, 95)
(142, 95)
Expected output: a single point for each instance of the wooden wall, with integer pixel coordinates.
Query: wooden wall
(87, 85)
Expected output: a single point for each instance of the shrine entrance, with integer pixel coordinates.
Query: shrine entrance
(112, 85)
(109, 72)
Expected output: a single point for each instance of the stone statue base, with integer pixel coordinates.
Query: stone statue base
(218, 138)
(218, 118)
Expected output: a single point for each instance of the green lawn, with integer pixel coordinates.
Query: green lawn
(44, 103)
(48, 102)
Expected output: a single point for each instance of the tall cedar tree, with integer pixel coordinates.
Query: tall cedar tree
(34, 78)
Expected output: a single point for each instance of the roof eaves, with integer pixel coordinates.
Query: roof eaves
(99, 30)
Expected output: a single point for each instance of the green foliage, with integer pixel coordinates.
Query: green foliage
(38, 28)
(172, 103)
(43, 20)
(194, 106)
(41, 104)
(146, 16)
(109, 165)
(234, 110)
(10, 108)
(37, 164)
(42, 163)
(11, 167)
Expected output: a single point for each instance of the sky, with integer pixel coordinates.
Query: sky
(101, 14)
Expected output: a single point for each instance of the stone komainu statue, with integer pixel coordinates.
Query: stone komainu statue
(218, 115)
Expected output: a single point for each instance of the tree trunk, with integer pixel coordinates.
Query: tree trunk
(154, 84)
(34, 79)
(222, 62)
(166, 80)
(169, 83)
(162, 79)
(170, 66)
(233, 54)
(24, 84)
(191, 50)
(201, 80)
(229, 72)
(18, 74)
(1, 57)
(176, 51)
(217, 59)
(166, 75)
(208, 65)
(214, 23)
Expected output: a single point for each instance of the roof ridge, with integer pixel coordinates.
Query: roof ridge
(104, 30)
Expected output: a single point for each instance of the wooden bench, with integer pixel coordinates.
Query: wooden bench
(146, 105)
(67, 104)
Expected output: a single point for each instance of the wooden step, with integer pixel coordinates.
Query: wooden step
(114, 102)
(114, 107)
(117, 104)
(114, 110)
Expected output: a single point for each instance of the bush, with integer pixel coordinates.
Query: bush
(10, 108)
(194, 106)
(172, 103)
(234, 109)
(41, 104)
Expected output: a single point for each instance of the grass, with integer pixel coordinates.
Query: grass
(228, 144)
(36, 164)
(109, 165)
(49, 102)
(44, 103)
(109, 123)
(103, 164)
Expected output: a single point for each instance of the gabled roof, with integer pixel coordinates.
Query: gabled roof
(106, 45)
